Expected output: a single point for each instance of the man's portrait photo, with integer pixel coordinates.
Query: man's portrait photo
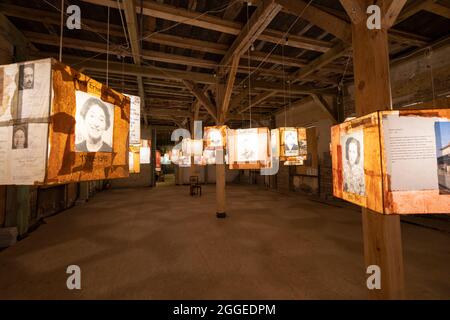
(20, 136)
(94, 124)
(26, 76)
(353, 163)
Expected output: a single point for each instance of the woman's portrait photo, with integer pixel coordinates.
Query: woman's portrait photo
(290, 142)
(353, 163)
(94, 124)
(26, 76)
(20, 136)
(215, 138)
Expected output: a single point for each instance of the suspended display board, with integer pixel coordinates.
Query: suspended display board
(59, 126)
(249, 148)
(134, 162)
(135, 120)
(191, 147)
(134, 138)
(289, 144)
(145, 152)
(215, 137)
(394, 162)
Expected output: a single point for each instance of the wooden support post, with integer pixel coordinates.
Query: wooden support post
(220, 186)
(382, 233)
(23, 209)
(83, 193)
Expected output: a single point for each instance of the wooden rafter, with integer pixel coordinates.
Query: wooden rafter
(132, 27)
(204, 100)
(210, 22)
(258, 22)
(328, 22)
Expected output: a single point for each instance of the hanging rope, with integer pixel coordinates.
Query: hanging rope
(61, 31)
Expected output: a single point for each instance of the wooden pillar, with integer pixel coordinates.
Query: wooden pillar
(382, 233)
(220, 160)
(220, 186)
(23, 209)
(153, 157)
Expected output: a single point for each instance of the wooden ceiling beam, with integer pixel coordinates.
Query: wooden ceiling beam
(390, 10)
(254, 27)
(438, 8)
(338, 51)
(324, 20)
(256, 101)
(258, 22)
(210, 22)
(204, 100)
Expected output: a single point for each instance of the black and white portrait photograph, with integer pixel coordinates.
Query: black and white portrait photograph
(215, 138)
(94, 124)
(20, 136)
(353, 162)
(247, 145)
(290, 142)
(26, 76)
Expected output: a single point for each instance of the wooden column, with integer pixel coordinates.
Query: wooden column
(220, 188)
(220, 167)
(382, 233)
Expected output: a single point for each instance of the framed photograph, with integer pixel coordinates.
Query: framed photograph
(20, 136)
(215, 137)
(353, 162)
(26, 76)
(247, 145)
(290, 138)
(94, 124)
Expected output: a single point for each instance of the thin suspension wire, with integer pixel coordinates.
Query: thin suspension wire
(67, 15)
(123, 24)
(61, 31)
(430, 65)
(107, 55)
(249, 78)
(216, 10)
(191, 19)
(284, 87)
(341, 83)
(284, 37)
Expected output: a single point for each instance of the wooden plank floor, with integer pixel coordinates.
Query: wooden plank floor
(163, 244)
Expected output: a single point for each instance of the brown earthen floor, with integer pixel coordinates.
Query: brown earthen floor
(163, 244)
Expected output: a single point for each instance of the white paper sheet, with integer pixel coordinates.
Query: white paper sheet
(23, 165)
(247, 145)
(410, 151)
(135, 119)
(145, 155)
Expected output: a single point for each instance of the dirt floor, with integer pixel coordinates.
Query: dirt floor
(163, 244)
